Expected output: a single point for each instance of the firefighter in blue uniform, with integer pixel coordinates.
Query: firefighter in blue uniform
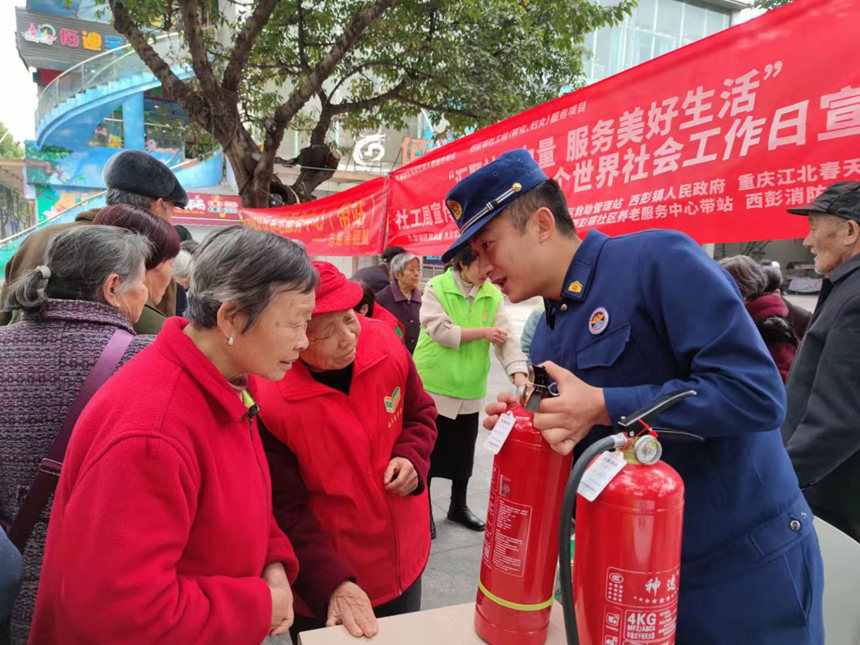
(628, 320)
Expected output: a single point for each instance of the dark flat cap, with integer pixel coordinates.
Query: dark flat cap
(841, 199)
(137, 172)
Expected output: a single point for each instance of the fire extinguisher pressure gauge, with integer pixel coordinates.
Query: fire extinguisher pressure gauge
(647, 450)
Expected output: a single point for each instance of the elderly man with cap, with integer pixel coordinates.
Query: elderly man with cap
(132, 177)
(629, 320)
(822, 421)
(350, 432)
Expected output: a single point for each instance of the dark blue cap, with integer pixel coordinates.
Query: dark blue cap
(476, 199)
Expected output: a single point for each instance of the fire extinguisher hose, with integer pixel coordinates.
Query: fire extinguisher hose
(567, 506)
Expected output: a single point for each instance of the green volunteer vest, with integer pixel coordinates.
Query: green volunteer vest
(458, 373)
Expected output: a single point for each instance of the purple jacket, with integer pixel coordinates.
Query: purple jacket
(406, 310)
(44, 360)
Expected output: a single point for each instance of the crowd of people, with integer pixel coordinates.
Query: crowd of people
(262, 462)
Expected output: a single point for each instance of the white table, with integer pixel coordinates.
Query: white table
(452, 625)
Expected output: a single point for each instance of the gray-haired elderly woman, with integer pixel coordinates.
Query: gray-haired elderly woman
(176, 538)
(182, 273)
(91, 285)
(402, 297)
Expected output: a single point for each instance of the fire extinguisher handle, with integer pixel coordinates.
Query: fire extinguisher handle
(669, 433)
(565, 578)
(654, 408)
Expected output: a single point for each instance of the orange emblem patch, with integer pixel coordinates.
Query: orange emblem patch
(455, 208)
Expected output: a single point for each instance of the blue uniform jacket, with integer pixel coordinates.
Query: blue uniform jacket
(676, 321)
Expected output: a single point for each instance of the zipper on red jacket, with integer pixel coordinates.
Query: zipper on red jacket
(397, 572)
(253, 411)
(385, 495)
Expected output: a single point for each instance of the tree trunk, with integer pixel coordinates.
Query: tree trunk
(240, 155)
(256, 180)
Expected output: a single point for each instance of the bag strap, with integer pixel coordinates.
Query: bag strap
(45, 481)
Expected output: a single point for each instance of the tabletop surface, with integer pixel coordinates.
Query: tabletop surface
(452, 625)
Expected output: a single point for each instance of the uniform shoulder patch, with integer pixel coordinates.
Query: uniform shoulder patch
(575, 287)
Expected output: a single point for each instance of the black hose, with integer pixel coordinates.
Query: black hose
(567, 505)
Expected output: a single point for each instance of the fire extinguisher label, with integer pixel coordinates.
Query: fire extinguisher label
(642, 607)
(510, 540)
(500, 433)
(601, 471)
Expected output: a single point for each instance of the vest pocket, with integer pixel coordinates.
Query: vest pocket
(603, 350)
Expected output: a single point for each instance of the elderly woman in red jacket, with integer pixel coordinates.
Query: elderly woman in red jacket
(351, 432)
(162, 528)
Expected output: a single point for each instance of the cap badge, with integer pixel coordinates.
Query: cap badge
(598, 321)
(455, 208)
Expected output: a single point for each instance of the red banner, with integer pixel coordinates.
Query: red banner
(346, 223)
(715, 139)
(209, 210)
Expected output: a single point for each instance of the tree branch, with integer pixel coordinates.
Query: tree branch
(197, 47)
(437, 108)
(365, 104)
(303, 58)
(355, 70)
(245, 43)
(350, 36)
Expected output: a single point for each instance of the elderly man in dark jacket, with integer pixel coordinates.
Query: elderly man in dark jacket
(822, 423)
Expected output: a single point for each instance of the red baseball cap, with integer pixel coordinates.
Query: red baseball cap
(334, 292)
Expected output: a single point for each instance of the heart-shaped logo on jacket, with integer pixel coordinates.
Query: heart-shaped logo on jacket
(391, 402)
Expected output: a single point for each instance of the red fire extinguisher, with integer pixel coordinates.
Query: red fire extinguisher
(518, 561)
(629, 516)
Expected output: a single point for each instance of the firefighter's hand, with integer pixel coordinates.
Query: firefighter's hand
(400, 477)
(565, 419)
(349, 606)
(493, 410)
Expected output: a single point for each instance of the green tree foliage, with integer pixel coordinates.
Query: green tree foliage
(263, 66)
(9, 148)
(14, 209)
(770, 4)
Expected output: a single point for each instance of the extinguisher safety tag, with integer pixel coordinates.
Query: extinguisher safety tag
(500, 433)
(601, 471)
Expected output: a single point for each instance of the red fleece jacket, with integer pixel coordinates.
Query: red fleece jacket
(382, 314)
(327, 452)
(162, 520)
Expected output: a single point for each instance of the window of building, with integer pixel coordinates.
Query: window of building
(654, 28)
